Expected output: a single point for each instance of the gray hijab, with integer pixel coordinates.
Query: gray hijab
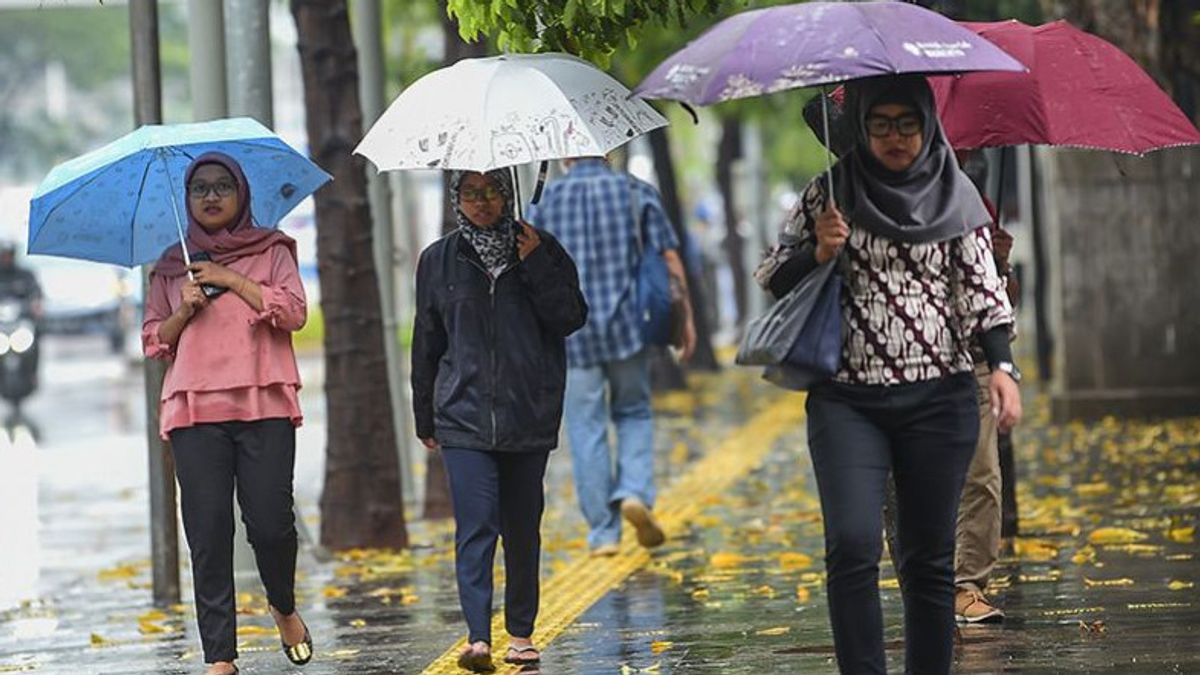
(930, 201)
(496, 245)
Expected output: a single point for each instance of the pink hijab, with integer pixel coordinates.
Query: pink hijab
(239, 240)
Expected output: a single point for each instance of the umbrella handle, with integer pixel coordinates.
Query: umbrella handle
(828, 142)
(187, 258)
(516, 194)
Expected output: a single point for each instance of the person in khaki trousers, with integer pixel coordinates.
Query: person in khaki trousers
(978, 532)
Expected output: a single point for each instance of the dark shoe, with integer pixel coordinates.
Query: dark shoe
(476, 660)
(649, 532)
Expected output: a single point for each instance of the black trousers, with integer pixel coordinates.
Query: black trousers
(497, 495)
(210, 460)
(924, 434)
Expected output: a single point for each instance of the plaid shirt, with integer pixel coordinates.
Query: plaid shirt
(590, 212)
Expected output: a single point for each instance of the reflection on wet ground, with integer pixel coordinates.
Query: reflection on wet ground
(1101, 581)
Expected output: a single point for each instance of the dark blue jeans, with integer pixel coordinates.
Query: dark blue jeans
(925, 435)
(497, 495)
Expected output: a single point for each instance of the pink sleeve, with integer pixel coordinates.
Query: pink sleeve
(158, 308)
(284, 304)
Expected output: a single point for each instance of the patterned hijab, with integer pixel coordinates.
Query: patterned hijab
(930, 201)
(496, 245)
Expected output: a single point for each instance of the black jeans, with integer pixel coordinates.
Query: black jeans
(925, 435)
(210, 459)
(497, 495)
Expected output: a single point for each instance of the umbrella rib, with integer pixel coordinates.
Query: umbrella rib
(138, 203)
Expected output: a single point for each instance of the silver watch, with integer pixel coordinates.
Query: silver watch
(1009, 368)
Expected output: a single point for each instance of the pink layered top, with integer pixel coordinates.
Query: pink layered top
(231, 363)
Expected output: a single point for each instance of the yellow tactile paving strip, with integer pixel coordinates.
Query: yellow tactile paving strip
(569, 593)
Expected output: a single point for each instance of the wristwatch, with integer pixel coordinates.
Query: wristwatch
(1009, 368)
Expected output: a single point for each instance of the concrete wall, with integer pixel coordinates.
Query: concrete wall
(1123, 237)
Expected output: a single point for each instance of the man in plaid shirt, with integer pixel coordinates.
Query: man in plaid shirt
(591, 211)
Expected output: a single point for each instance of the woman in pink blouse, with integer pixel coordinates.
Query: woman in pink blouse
(229, 401)
(911, 235)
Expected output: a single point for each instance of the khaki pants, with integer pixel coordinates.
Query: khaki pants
(977, 538)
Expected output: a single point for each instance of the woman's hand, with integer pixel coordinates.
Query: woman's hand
(192, 299)
(214, 274)
(1006, 400)
(430, 444)
(527, 240)
(832, 233)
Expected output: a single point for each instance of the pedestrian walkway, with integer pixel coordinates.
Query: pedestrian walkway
(1103, 579)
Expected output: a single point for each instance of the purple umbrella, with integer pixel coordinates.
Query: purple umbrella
(812, 43)
(816, 43)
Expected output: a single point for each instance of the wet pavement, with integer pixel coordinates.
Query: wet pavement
(1102, 580)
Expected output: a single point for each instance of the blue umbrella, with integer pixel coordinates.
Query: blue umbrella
(124, 203)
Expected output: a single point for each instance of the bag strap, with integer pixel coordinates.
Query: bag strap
(635, 203)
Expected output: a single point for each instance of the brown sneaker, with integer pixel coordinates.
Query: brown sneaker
(649, 532)
(971, 606)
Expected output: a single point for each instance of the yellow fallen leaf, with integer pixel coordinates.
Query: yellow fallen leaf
(1084, 555)
(1182, 535)
(150, 628)
(1090, 489)
(889, 583)
(802, 594)
(358, 623)
(726, 560)
(119, 572)
(791, 561)
(763, 590)
(778, 630)
(1035, 549)
(333, 592)
(98, 641)
(700, 594)
(1135, 549)
(660, 646)
(1115, 535)
(1122, 581)
(152, 615)
(1177, 585)
(246, 631)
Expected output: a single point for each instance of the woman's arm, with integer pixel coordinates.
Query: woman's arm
(429, 343)
(549, 275)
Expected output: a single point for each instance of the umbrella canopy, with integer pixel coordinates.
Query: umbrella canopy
(1080, 91)
(812, 43)
(124, 203)
(503, 111)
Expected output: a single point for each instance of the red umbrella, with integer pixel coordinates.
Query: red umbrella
(1080, 91)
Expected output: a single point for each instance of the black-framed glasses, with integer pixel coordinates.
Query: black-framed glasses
(486, 194)
(222, 188)
(880, 126)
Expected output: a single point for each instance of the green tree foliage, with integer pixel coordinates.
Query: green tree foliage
(592, 29)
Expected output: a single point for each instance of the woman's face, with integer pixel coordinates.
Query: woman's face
(894, 130)
(213, 197)
(480, 200)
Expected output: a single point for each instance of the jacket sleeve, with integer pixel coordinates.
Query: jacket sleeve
(157, 309)
(284, 304)
(429, 343)
(550, 276)
(789, 261)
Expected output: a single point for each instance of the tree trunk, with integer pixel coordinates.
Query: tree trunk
(664, 166)
(437, 487)
(729, 150)
(361, 504)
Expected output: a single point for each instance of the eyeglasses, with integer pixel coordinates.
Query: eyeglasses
(881, 126)
(200, 190)
(487, 194)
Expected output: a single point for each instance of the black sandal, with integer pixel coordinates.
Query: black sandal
(511, 655)
(476, 661)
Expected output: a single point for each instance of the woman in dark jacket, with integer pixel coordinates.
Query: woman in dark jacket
(496, 299)
(920, 287)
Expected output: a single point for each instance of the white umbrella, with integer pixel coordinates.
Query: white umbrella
(503, 111)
